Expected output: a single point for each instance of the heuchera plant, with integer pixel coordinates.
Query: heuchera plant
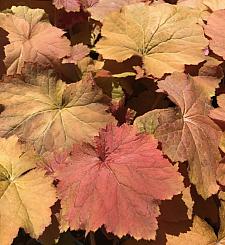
(112, 120)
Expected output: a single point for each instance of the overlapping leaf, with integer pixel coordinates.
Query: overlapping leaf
(207, 85)
(121, 178)
(214, 4)
(150, 121)
(191, 135)
(69, 5)
(165, 36)
(78, 52)
(219, 113)
(200, 234)
(73, 5)
(118, 181)
(47, 112)
(105, 7)
(214, 29)
(204, 5)
(197, 5)
(26, 194)
(31, 40)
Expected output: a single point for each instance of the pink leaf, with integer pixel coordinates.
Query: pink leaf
(31, 39)
(215, 30)
(105, 7)
(78, 52)
(118, 181)
(73, 5)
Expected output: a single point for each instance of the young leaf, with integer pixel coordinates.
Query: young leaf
(31, 40)
(26, 194)
(190, 134)
(165, 36)
(45, 111)
(118, 181)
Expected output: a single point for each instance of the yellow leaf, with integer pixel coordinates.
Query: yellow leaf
(26, 194)
(48, 113)
(165, 36)
(200, 234)
(215, 4)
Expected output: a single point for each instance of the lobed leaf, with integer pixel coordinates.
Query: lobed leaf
(78, 52)
(117, 181)
(214, 30)
(31, 40)
(73, 5)
(166, 37)
(50, 114)
(190, 134)
(200, 234)
(26, 194)
(105, 7)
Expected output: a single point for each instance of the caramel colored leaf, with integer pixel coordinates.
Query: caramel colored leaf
(222, 142)
(207, 85)
(220, 173)
(187, 198)
(215, 30)
(200, 234)
(191, 135)
(197, 5)
(118, 181)
(165, 36)
(211, 68)
(26, 194)
(31, 39)
(45, 111)
(215, 4)
(219, 113)
(221, 234)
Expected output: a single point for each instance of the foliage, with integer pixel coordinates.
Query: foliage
(112, 122)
